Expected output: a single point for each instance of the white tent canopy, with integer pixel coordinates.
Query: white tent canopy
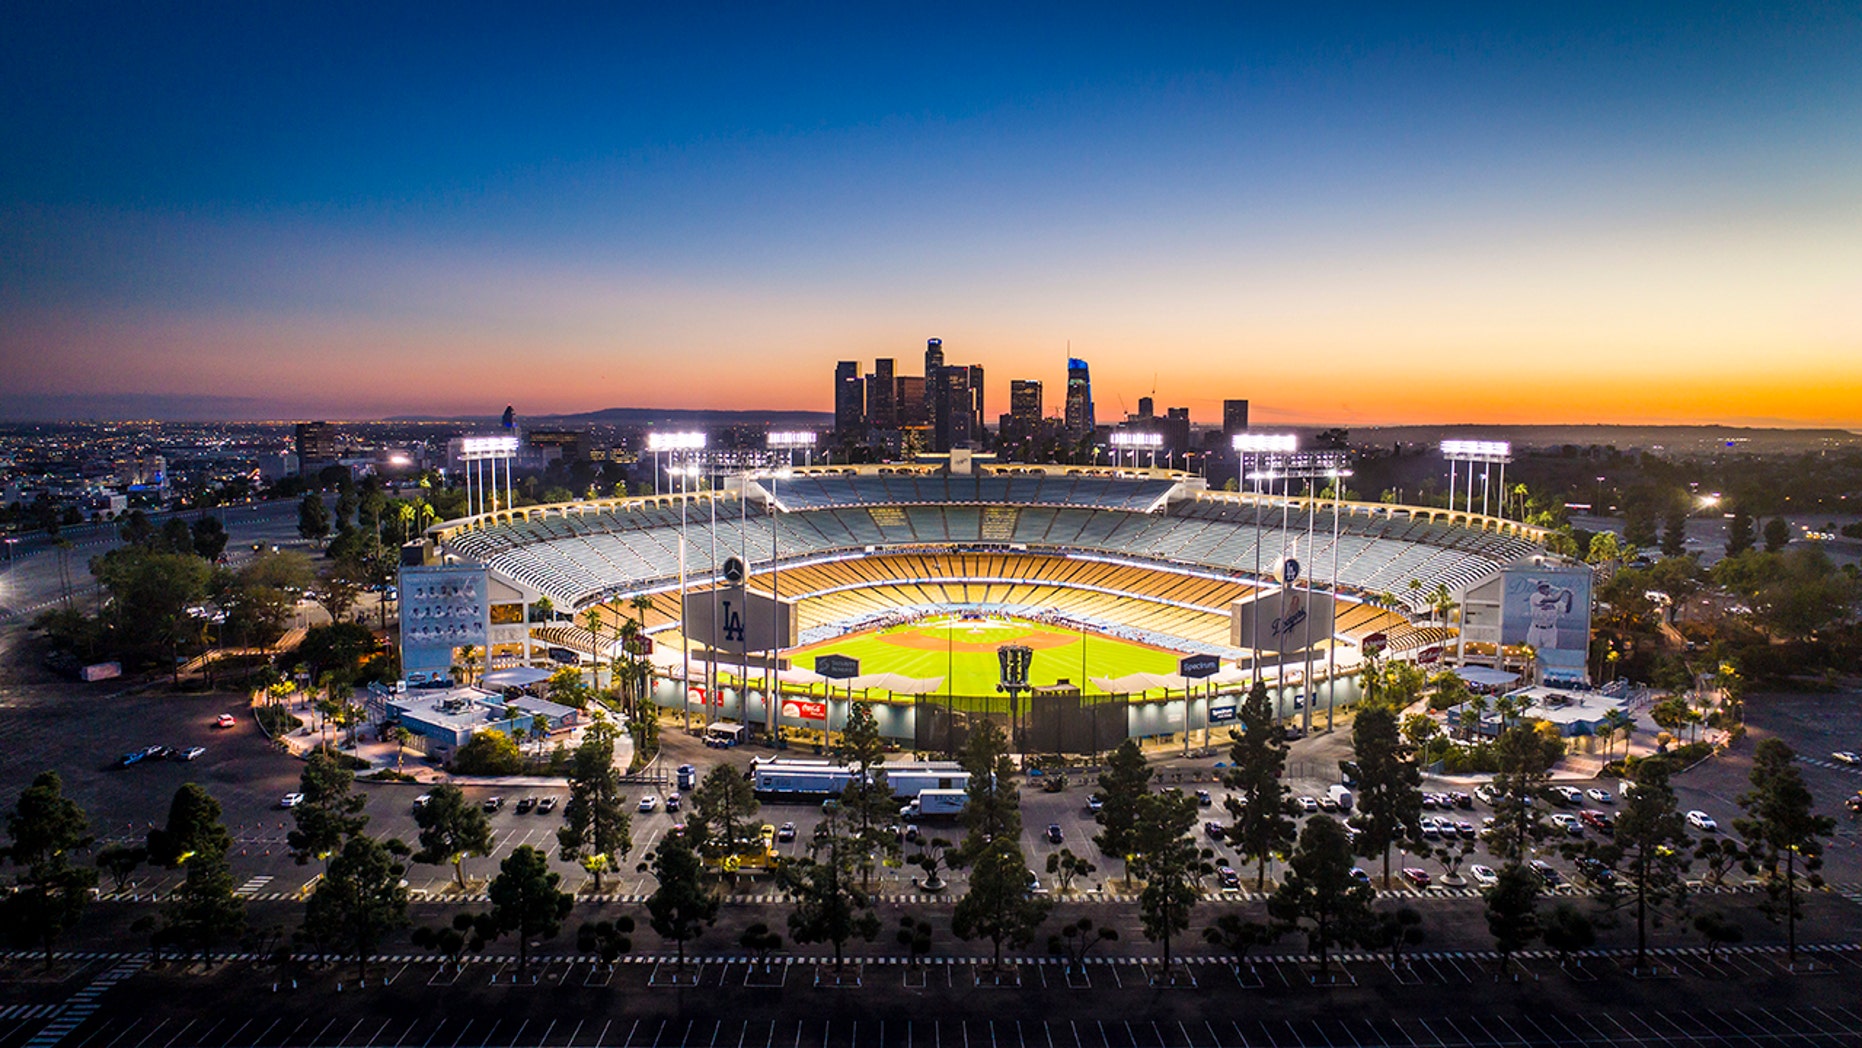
(1484, 676)
(897, 683)
(1132, 683)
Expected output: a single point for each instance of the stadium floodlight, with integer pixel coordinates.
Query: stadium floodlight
(657, 441)
(1265, 443)
(791, 439)
(1129, 439)
(1477, 450)
(1487, 453)
(471, 448)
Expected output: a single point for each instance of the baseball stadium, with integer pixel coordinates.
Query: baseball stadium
(1141, 595)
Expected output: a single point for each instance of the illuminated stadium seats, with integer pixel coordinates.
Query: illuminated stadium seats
(1148, 551)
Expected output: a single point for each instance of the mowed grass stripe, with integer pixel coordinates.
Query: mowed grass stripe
(966, 650)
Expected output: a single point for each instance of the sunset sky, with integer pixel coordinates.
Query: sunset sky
(1347, 214)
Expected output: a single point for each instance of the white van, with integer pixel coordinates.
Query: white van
(1340, 796)
(722, 735)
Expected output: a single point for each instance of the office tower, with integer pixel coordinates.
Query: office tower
(1145, 407)
(1025, 400)
(977, 418)
(934, 363)
(849, 399)
(316, 445)
(953, 406)
(1234, 417)
(882, 406)
(1079, 399)
(912, 399)
(1176, 429)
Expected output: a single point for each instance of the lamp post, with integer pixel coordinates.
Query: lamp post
(1487, 453)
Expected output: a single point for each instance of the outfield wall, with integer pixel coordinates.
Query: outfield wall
(1064, 724)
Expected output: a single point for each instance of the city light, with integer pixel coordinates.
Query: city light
(791, 439)
(1265, 443)
(657, 441)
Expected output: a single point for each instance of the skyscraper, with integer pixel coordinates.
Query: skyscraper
(849, 398)
(977, 419)
(882, 405)
(934, 364)
(1234, 417)
(316, 446)
(1079, 399)
(953, 409)
(1025, 400)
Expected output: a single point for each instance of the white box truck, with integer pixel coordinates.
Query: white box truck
(780, 779)
(933, 804)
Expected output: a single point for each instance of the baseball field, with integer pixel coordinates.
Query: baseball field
(964, 648)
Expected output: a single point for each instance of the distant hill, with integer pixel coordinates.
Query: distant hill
(657, 417)
(1668, 438)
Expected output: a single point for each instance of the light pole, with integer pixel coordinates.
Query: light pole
(674, 444)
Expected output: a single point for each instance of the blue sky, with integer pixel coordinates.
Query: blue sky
(353, 212)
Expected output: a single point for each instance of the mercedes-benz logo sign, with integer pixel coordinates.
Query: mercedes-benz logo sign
(733, 571)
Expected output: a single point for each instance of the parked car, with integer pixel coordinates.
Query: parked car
(1568, 823)
(1094, 803)
(422, 801)
(1309, 804)
(1213, 830)
(1596, 871)
(1546, 873)
(224, 720)
(546, 805)
(786, 832)
(189, 754)
(526, 805)
(1466, 831)
(1416, 876)
(1054, 836)
(291, 800)
(1328, 803)
(127, 759)
(1703, 822)
(1203, 799)
(1228, 879)
(648, 803)
(493, 804)
(672, 802)
(1600, 796)
(911, 833)
(1849, 757)
(1484, 876)
(1358, 874)
(1464, 801)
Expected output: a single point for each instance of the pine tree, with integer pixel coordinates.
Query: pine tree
(45, 830)
(1650, 849)
(1389, 791)
(680, 906)
(1781, 827)
(1171, 865)
(994, 807)
(360, 899)
(597, 829)
(998, 906)
(1258, 801)
(1123, 785)
(1320, 891)
(526, 899)
(330, 812)
(451, 828)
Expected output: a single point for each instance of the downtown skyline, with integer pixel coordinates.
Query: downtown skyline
(1353, 216)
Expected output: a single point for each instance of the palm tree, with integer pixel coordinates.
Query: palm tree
(1471, 713)
(1442, 603)
(592, 622)
(1614, 722)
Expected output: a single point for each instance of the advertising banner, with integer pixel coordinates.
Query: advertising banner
(803, 709)
(1222, 709)
(743, 621)
(1197, 667)
(1548, 608)
(1281, 621)
(443, 608)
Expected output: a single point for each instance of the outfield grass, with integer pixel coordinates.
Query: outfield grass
(966, 651)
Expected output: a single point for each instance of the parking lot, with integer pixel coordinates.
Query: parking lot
(1441, 1000)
